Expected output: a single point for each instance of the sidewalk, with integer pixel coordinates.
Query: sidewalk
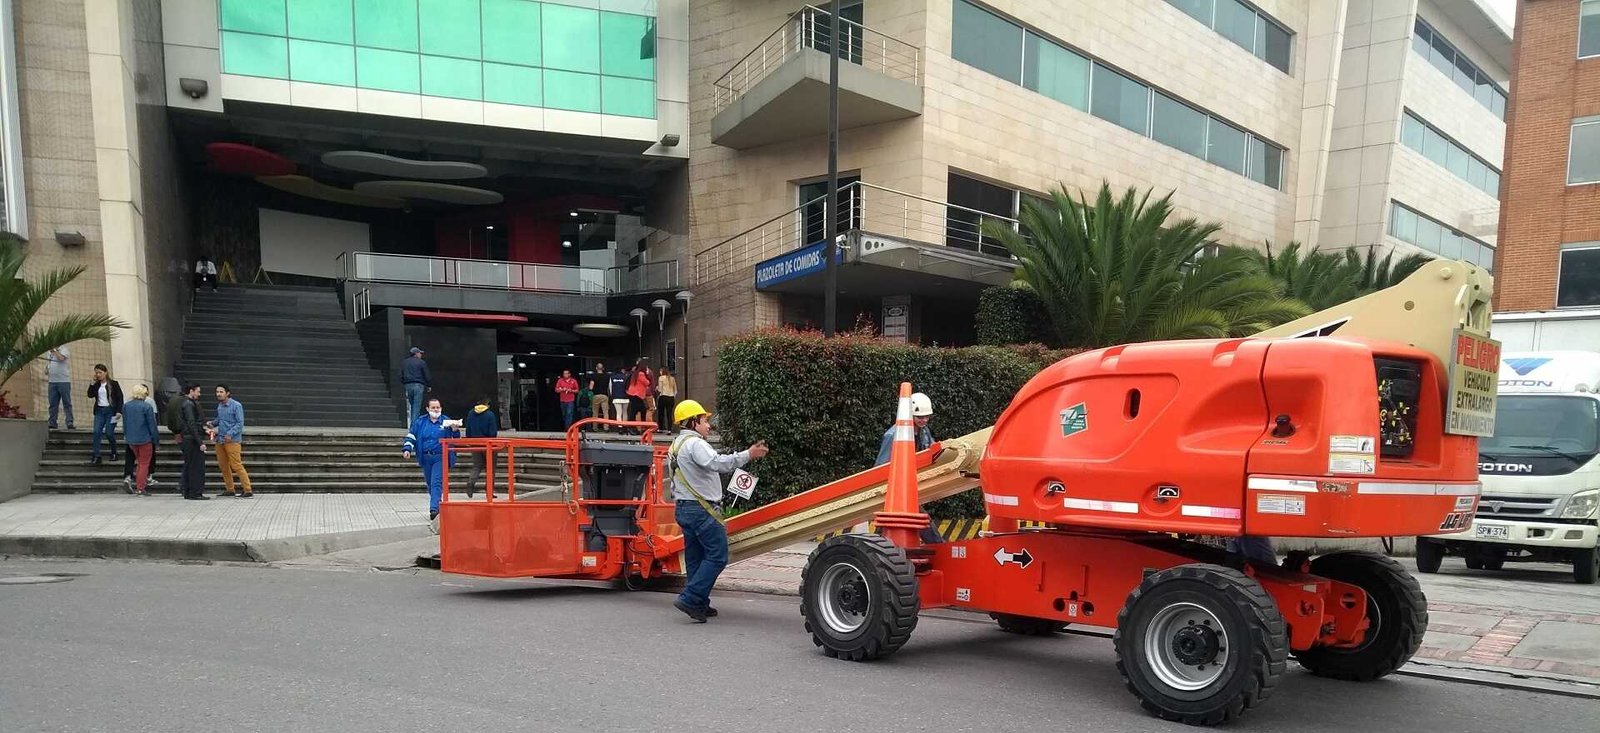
(266, 528)
(1530, 622)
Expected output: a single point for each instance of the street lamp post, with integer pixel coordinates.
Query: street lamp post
(830, 292)
(661, 307)
(638, 316)
(683, 372)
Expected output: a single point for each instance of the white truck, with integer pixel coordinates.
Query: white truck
(1540, 471)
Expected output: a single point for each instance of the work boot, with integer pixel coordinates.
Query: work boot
(711, 612)
(695, 614)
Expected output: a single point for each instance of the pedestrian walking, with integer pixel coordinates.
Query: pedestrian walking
(599, 384)
(130, 461)
(227, 433)
(640, 385)
(423, 444)
(697, 493)
(417, 381)
(921, 413)
(666, 397)
(205, 273)
(58, 376)
(106, 396)
(191, 435)
(139, 434)
(567, 388)
(482, 423)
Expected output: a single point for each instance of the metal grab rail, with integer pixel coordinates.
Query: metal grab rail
(808, 28)
(502, 275)
(866, 208)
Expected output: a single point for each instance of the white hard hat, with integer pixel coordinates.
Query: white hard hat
(921, 406)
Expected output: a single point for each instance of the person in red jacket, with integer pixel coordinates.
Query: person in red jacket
(567, 389)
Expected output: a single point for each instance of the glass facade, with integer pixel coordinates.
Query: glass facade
(1251, 29)
(1407, 225)
(517, 52)
(1589, 29)
(1583, 157)
(1423, 138)
(1004, 48)
(1579, 281)
(1431, 45)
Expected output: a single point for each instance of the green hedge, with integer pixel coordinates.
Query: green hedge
(822, 405)
(1010, 314)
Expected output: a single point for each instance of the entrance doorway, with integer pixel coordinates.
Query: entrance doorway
(528, 389)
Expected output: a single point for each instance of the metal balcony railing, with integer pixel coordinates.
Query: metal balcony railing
(498, 275)
(807, 28)
(863, 207)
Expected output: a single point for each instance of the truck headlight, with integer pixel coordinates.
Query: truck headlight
(1582, 505)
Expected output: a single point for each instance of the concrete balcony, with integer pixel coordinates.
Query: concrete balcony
(779, 91)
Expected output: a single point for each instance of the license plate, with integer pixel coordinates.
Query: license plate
(1492, 531)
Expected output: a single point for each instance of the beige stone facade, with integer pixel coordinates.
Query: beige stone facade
(1336, 113)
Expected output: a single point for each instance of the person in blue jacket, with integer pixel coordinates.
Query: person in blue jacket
(482, 423)
(423, 444)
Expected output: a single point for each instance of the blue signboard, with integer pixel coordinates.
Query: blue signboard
(791, 265)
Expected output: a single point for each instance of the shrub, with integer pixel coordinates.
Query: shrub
(822, 405)
(1010, 314)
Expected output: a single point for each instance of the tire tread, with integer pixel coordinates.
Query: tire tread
(899, 606)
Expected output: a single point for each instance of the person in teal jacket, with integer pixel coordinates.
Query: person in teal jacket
(422, 443)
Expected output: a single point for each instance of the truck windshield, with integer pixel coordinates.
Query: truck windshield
(1527, 425)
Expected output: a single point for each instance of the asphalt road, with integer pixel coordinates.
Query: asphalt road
(165, 647)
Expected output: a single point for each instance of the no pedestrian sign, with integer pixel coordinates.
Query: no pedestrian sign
(743, 484)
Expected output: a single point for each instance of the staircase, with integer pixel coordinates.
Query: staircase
(289, 355)
(301, 460)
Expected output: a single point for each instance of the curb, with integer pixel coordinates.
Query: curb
(252, 551)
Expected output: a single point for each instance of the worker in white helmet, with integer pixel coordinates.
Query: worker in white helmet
(921, 412)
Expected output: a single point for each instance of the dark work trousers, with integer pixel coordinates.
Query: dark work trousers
(479, 462)
(194, 469)
(664, 405)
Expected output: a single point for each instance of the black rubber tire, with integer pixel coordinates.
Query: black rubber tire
(891, 604)
(1474, 562)
(1430, 555)
(1586, 566)
(1028, 625)
(1401, 619)
(1254, 660)
(1494, 563)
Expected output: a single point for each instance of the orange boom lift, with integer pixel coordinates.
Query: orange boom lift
(1358, 421)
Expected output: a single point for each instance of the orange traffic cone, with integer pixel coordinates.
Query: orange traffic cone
(901, 521)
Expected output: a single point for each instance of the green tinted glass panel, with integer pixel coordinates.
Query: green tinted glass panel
(567, 90)
(321, 20)
(512, 85)
(387, 24)
(255, 16)
(1056, 72)
(627, 46)
(450, 28)
(322, 63)
(252, 55)
(442, 77)
(511, 32)
(388, 70)
(571, 40)
(628, 97)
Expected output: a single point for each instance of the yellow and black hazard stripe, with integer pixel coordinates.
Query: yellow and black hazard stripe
(950, 529)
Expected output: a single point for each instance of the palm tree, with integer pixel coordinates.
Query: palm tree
(1119, 270)
(1373, 274)
(1317, 278)
(20, 302)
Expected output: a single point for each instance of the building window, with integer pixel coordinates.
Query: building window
(1407, 225)
(516, 52)
(1006, 49)
(1251, 29)
(13, 205)
(1579, 281)
(1589, 29)
(987, 41)
(1432, 144)
(971, 203)
(814, 201)
(1583, 160)
(1431, 45)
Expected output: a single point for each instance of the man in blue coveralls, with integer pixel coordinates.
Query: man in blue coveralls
(423, 444)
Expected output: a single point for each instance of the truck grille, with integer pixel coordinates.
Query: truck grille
(1513, 507)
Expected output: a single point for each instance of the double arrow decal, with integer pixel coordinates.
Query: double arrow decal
(1021, 558)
